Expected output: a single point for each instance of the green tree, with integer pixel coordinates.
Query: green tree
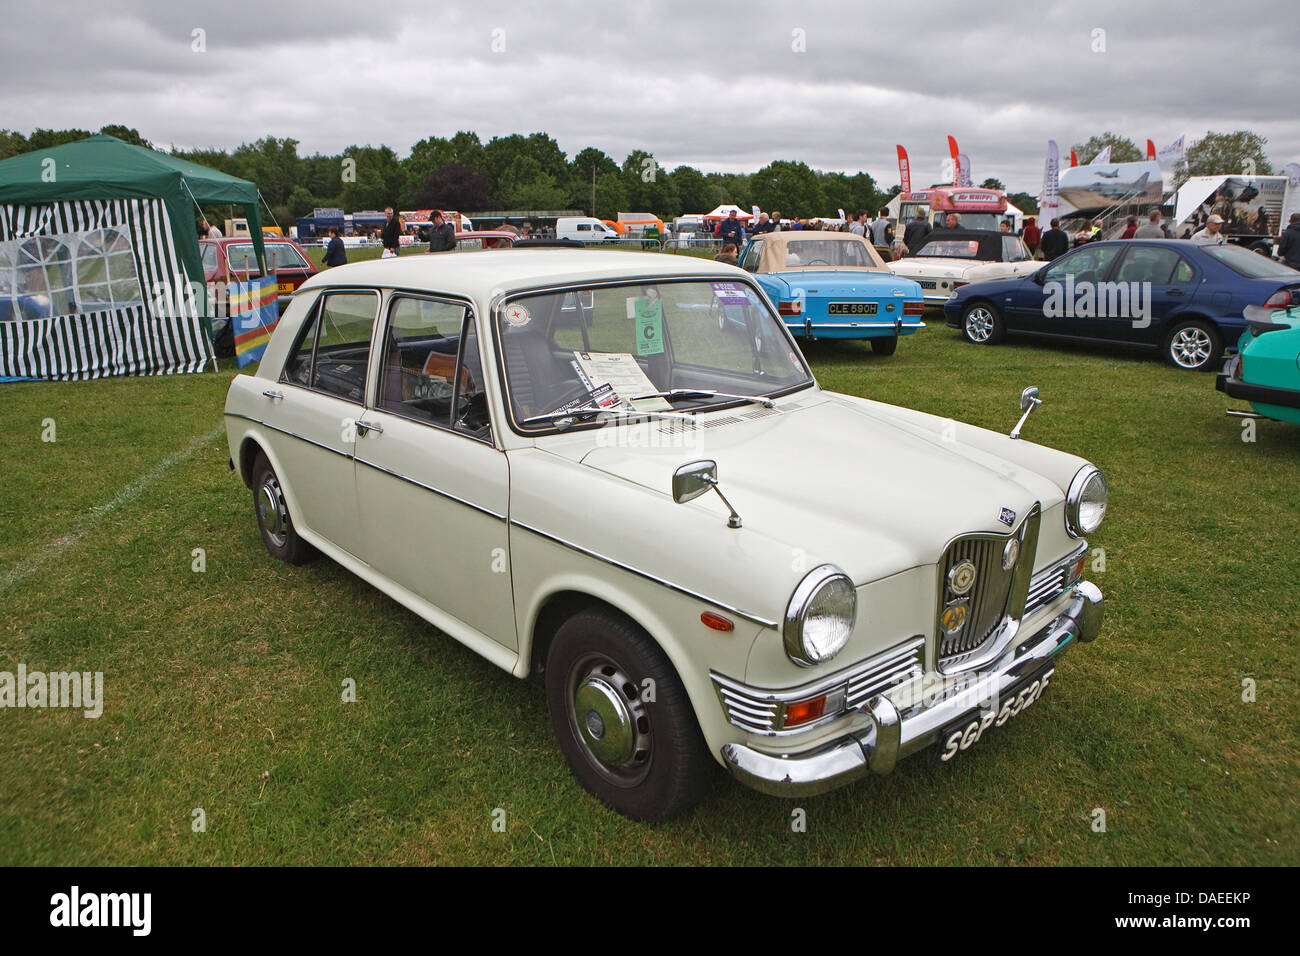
(301, 203)
(649, 186)
(456, 186)
(1225, 154)
(1024, 202)
(693, 190)
(790, 187)
(526, 185)
(992, 183)
(272, 164)
(49, 138)
(1122, 149)
(590, 163)
(375, 182)
(611, 196)
(12, 143)
(126, 134)
(426, 156)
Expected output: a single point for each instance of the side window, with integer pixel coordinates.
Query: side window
(750, 263)
(1149, 264)
(334, 347)
(209, 258)
(431, 371)
(584, 227)
(1183, 272)
(1086, 264)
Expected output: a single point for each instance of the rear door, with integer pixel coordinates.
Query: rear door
(313, 409)
(1157, 283)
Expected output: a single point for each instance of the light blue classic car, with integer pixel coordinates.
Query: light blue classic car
(834, 285)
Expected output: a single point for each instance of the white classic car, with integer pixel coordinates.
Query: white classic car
(952, 258)
(561, 459)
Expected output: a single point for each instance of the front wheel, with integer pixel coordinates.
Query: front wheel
(622, 718)
(1195, 346)
(982, 324)
(885, 345)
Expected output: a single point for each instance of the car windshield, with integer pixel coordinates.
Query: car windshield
(586, 347)
(1252, 265)
(279, 255)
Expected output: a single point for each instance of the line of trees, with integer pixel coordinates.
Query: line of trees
(507, 172)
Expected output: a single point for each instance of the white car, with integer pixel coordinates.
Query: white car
(952, 258)
(561, 459)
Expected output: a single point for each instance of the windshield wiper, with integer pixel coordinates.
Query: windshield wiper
(704, 393)
(568, 417)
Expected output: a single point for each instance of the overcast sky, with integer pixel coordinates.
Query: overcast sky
(720, 85)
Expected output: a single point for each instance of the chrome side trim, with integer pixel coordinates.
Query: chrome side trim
(437, 491)
(644, 574)
(285, 431)
(858, 325)
(1052, 581)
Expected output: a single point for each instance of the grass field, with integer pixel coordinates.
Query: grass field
(223, 688)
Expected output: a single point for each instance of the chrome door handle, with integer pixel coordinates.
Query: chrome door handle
(273, 394)
(363, 427)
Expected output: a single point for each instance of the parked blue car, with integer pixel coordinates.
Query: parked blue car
(1173, 295)
(834, 285)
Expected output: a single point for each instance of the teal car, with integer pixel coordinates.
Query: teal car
(834, 285)
(1265, 372)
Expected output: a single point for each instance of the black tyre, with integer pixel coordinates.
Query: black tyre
(273, 518)
(981, 324)
(884, 345)
(623, 720)
(1194, 345)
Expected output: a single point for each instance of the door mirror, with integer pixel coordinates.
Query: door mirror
(1029, 398)
(694, 479)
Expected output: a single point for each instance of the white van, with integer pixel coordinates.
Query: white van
(583, 228)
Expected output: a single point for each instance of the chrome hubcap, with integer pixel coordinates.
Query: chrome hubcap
(610, 719)
(1190, 347)
(979, 324)
(272, 511)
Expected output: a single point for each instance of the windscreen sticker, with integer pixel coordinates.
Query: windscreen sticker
(649, 326)
(517, 315)
(730, 293)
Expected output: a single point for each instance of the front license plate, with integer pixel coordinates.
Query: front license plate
(284, 287)
(851, 308)
(966, 733)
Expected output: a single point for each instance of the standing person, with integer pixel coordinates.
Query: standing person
(442, 234)
(1152, 229)
(882, 233)
(212, 231)
(776, 220)
(1055, 241)
(335, 254)
(1130, 227)
(1288, 247)
(763, 225)
(1032, 235)
(916, 232)
(858, 225)
(391, 233)
(1212, 234)
(730, 230)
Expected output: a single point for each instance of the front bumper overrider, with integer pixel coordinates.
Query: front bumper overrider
(890, 735)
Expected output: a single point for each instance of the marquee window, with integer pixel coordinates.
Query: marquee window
(47, 276)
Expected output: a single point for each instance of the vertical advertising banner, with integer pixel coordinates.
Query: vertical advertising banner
(904, 172)
(1051, 178)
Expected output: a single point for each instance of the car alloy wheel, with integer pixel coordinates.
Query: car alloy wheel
(1191, 347)
(609, 719)
(980, 324)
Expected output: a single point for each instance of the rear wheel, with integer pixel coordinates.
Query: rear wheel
(273, 519)
(884, 345)
(1195, 346)
(981, 323)
(622, 718)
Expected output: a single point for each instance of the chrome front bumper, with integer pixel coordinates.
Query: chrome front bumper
(892, 735)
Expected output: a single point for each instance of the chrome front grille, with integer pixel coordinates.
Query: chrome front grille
(1047, 584)
(996, 595)
(761, 711)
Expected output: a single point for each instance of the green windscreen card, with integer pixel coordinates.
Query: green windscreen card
(649, 326)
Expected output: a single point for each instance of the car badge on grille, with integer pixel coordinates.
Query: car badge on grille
(954, 616)
(1008, 517)
(962, 577)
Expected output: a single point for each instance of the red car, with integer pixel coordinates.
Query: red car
(233, 260)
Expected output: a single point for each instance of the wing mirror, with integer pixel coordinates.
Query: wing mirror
(1029, 400)
(697, 478)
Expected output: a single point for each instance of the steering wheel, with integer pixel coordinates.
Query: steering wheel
(578, 391)
(816, 262)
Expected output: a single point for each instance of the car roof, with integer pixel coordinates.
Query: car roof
(486, 274)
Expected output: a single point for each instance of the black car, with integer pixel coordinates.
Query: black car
(1182, 298)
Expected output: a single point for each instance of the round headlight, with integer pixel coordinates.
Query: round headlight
(1085, 502)
(820, 616)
